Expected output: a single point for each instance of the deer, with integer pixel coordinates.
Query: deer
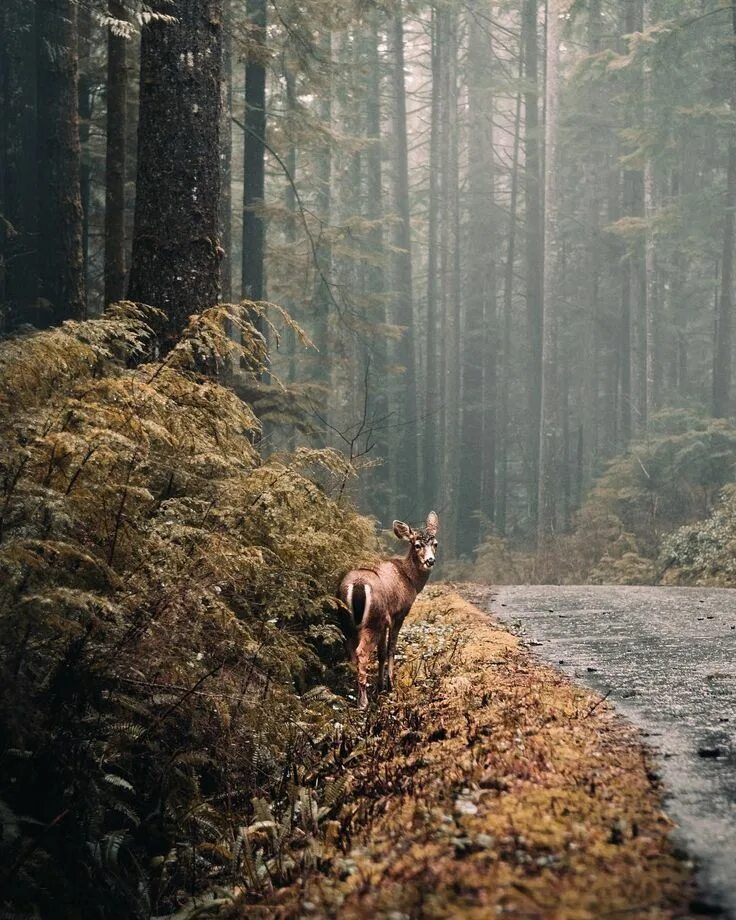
(374, 602)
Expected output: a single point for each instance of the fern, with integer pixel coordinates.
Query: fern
(165, 606)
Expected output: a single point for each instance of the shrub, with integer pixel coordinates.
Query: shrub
(494, 562)
(703, 553)
(662, 482)
(165, 598)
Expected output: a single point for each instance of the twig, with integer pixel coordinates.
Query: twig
(598, 703)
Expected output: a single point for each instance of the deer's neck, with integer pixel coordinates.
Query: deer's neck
(416, 577)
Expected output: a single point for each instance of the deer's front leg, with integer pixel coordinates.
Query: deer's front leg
(383, 647)
(392, 640)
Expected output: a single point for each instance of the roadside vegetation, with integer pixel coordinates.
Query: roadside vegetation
(489, 785)
(177, 734)
(166, 629)
(662, 512)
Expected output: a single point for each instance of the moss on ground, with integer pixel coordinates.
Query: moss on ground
(489, 785)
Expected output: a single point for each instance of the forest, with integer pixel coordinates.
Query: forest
(273, 274)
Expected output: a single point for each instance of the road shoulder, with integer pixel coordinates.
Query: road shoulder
(490, 785)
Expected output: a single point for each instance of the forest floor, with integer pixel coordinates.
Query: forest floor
(491, 785)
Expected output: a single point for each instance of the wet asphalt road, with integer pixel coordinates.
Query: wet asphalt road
(667, 659)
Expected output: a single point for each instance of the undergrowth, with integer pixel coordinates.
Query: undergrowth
(628, 529)
(487, 785)
(704, 553)
(166, 631)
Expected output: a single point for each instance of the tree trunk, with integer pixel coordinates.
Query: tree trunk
(290, 204)
(226, 161)
(19, 205)
(549, 416)
(504, 428)
(115, 157)
(404, 461)
(176, 255)
(432, 377)
(323, 208)
(633, 306)
(476, 493)
(375, 279)
(60, 239)
(533, 249)
(624, 351)
(453, 312)
(724, 319)
(676, 382)
(653, 362)
(84, 51)
(595, 178)
(254, 155)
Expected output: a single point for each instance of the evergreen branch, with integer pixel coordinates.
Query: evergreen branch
(303, 211)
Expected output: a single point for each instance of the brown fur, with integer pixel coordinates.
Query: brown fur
(388, 592)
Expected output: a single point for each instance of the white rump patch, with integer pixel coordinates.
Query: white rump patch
(349, 600)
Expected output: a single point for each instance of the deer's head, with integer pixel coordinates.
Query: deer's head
(423, 543)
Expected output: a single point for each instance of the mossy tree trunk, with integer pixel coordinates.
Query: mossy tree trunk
(176, 255)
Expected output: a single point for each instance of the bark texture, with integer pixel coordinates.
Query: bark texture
(117, 84)
(255, 133)
(176, 254)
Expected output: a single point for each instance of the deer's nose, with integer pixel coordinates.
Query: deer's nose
(430, 562)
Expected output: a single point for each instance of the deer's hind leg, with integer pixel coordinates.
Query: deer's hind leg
(369, 639)
(369, 634)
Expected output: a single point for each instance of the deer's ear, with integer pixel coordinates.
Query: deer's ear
(402, 530)
(433, 523)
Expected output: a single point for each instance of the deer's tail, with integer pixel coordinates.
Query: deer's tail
(356, 598)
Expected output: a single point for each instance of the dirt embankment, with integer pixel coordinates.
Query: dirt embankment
(489, 785)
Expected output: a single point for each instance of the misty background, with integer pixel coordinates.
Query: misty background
(507, 229)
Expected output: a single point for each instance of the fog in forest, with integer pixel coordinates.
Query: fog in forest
(279, 279)
(506, 231)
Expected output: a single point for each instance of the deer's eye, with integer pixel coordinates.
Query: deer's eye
(417, 546)
(434, 545)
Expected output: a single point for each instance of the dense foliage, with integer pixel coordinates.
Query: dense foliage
(704, 553)
(674, 477)
(164, 607)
